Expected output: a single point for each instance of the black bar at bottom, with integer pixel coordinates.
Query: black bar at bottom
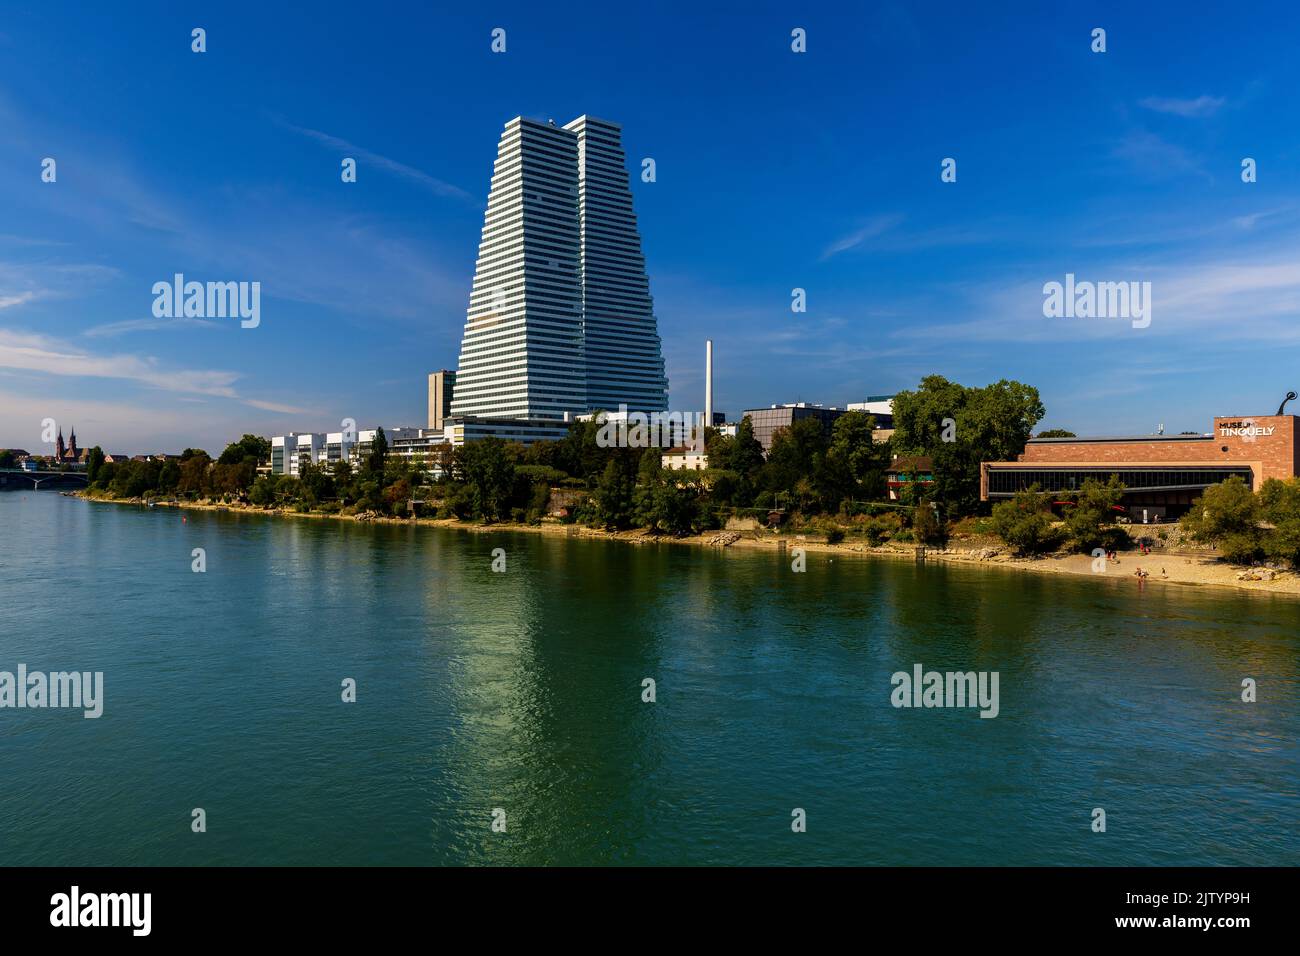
(373, 905)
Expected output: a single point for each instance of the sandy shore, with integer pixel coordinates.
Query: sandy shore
(1162, 567)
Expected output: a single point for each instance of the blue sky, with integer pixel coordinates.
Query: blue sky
(776, 170)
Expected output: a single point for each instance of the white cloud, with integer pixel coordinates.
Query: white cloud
(1190, 108)
(148, 325)
(877, 226)
(37, 353)
(409, 173)
(8, 301)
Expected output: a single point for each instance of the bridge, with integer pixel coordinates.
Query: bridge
(12, 479)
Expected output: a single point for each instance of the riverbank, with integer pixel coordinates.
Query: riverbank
(1162, 567)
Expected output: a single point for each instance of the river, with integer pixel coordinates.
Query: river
(517, 696)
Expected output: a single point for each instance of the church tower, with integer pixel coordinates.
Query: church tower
(73, 452)
(59, 449)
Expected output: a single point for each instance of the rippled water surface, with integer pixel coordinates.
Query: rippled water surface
(522, 691)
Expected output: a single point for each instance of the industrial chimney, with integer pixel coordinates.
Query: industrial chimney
(708, 383)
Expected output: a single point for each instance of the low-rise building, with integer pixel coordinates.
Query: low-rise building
(1162, 474)
(768, 421)
(908, 471)
(684, 459)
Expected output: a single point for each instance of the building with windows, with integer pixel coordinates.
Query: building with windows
(909, 472)
(442, 386)
(684, 459)
(560, 319)
(767, 421)
(1163, 474)
(283, 448)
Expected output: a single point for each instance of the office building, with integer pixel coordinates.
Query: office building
(560, 320)
(767, 421)
(441, 388)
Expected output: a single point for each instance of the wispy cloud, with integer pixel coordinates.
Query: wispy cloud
(436, 186)
(882, 234)
(1248, 299)
(1156, 157)
(8, 301)
(1190, 108)
(148, 325)
(23, 351)
(877, 226)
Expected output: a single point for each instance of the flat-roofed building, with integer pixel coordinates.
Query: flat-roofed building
(283, 448)
(1163, 474)
(441, 387)
(768, 421)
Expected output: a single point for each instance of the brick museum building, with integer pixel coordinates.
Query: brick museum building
(1163, 474)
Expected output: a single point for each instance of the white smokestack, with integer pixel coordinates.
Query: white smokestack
(708, 383)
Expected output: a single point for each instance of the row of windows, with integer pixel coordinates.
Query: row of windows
(1005, 481)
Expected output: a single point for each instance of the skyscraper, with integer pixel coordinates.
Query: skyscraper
(560, 318)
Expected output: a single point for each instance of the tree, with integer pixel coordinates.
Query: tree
(194, 474)
(1227, 515)
(1280, 503)
(1093, 510)
(666, 506)
(854, 448)
(489, 475)
(795, 456)
(378, 452)
(94, 461)
(613, 496)
(747, 453)
(927, 525)
(250, 446)
(263, 491)
(1056, 433)
(958, 427)
(1025, 522)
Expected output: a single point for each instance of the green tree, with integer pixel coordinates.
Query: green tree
(378, 452)
(1056, 433)
(1025, 522)
(250, 446)
(94, 461)
(958, 427)
(263, 492)
(795, 456)
(613, 496)
(194, 474)
(1227, 515)
(747, 454)
(489, 475)
(928, 526)
(1280, 504)
(1093, 512)
(855, 455)
(668, 507)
